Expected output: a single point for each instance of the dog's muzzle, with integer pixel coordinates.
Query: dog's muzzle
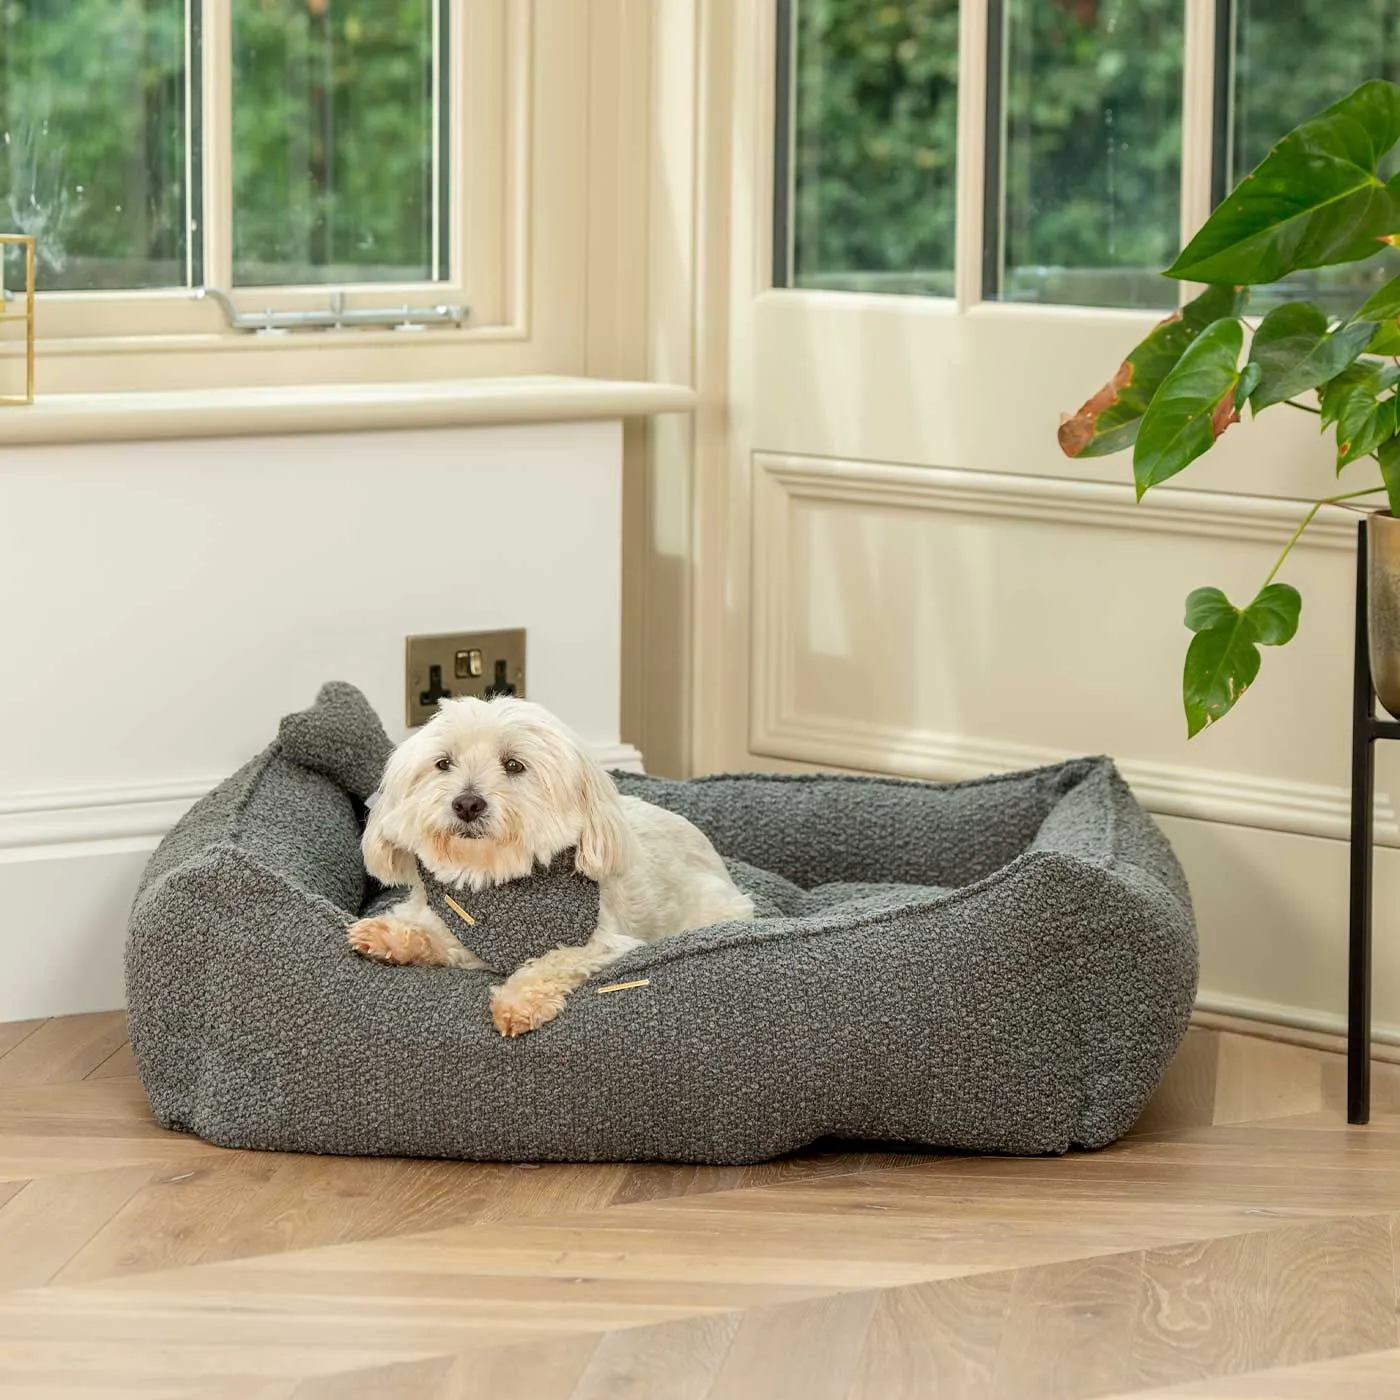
(469, 807)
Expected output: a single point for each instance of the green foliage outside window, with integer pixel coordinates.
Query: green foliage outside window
(92, 140)
(332, 139)
(1092, 111)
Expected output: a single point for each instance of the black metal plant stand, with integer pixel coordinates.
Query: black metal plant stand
(1365, 730)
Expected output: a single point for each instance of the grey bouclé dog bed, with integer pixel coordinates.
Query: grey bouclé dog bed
(1004, 965)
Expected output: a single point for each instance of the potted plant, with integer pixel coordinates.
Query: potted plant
(1316, 201)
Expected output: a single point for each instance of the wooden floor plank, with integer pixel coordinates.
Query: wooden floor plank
(309, 1202)
(676, 1361)
(63, 1049)
(428, 1379)
(53, 1218)
(13, 1033)
(1186, 1097)
(1261, 1079)
(935, 1339)
(1332, 1290)
(811, 1349)
(1069, 1328)
(165, 1224)
(120, 1064)
(1241, 1241)
(548, 1369)
(1369, 1376)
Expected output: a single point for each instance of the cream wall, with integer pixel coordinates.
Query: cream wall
(860, 551)
(165, 603)
(894, 569)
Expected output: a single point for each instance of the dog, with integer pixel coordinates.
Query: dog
(484, 792)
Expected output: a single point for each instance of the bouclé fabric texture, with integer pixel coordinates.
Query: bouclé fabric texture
(1005, 965)
(509, 924)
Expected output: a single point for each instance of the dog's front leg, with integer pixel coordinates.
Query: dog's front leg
(536, 991)
(410, 934)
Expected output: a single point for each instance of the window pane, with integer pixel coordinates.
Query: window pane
(1089, 124)
(93, 140)
(870, 146)
(1291, 59)
(335, 163)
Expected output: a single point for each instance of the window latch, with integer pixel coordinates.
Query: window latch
(336, 317)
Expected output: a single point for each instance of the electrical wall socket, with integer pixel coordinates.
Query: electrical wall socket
(461, 663)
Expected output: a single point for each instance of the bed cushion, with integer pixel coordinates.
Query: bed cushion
(1004, 965)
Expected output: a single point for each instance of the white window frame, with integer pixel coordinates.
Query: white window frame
(903, 381)
(516, 175)
(968, 342)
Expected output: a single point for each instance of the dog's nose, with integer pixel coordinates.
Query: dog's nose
(468, 805)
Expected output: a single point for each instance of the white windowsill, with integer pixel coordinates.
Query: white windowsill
(334, 408)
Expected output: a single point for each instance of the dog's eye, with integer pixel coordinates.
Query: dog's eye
(443, 764)
(512, 766)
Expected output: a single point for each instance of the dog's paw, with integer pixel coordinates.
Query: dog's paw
(390, 941)
(525, 1007)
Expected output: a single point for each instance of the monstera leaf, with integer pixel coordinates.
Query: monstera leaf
(1110, 420)
(1315, 199)
(1196, 402)
(1295, 351)
(1383, 304)
(1353, 402)
(1223, 658)
(1386, 340)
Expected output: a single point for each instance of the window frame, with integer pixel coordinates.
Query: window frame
(515, 94)
(1206, 95)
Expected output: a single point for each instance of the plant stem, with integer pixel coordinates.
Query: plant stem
(1308, 520)
(1303, 408)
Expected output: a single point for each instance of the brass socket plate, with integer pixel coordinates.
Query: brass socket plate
(453, 664)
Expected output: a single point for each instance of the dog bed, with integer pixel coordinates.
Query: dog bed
(1004, 965)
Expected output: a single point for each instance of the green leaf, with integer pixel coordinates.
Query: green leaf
(1389, 454)
(1223, 658)
(1363, 426)
(1195, 404)
(1295, 352)
(1368, 377)
(1208, 607)
(1221, 664)
(1353, 402)
(1109, 421)
(1274, 614)
(1249, 379)
(1383, 304)
(1313, 201)
(1386, 340)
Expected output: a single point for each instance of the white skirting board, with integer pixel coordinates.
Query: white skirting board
(69, 866)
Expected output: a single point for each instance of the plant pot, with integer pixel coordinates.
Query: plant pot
(1383, 598)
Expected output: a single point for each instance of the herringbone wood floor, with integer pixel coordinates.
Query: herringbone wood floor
(1242, 1242)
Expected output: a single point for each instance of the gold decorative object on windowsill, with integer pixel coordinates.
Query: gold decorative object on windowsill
(26, 241)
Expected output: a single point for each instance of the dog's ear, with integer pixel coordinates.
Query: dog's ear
(385, 858)
(389, 863)
(603, 841)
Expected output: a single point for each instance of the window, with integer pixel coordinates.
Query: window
(338, 146)
(98, 136)
(334, 119)
(1084, 128)
(1280, 61)
(866, 157)
(1087, 156)
(323, 165)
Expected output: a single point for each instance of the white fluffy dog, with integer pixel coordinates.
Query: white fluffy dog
(484, 791)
